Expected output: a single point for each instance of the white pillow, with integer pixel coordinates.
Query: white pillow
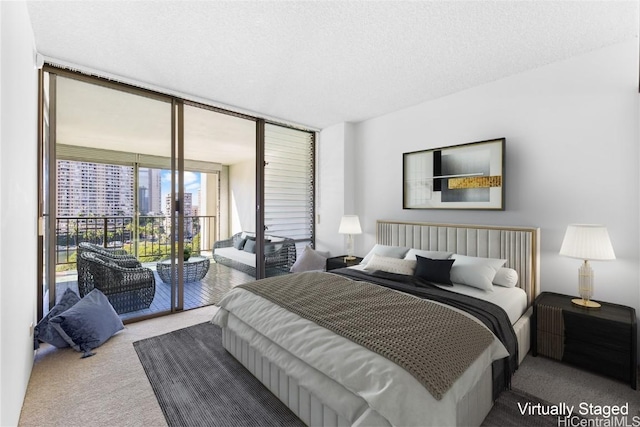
(427, 254)
(475, 271)
(309, 260)
(506, 277)
(387, 251)
(391, 265)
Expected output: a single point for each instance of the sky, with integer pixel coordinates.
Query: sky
(191, 184)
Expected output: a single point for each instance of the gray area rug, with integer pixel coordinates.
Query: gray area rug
(197, 383)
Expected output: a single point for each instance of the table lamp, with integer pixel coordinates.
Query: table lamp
(350, 225)
(586, 242)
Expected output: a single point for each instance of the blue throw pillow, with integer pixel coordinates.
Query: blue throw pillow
(239, 244)
(250, 246)
(89, 323)
(44, 331)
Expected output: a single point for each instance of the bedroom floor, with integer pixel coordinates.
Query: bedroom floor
(111, 388)
(556, 382)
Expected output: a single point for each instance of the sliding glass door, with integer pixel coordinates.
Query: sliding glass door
(104, 143)
(219, 200)
(189, 199)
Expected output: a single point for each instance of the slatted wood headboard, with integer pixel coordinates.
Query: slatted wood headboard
(518, 245)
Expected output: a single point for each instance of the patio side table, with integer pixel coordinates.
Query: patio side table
(195, 268)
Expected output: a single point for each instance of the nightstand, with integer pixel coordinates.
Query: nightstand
(601, 340)
(340, 262)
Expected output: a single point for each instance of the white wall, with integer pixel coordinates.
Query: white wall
(18, 206)
(336, 185)
(571, 156)
(242, 193)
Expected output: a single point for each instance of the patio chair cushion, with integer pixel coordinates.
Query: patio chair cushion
(44, 331)
(89, 323)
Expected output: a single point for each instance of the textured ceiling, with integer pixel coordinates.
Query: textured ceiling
(318, 63)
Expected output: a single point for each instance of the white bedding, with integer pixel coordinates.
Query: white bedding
(512, 300)
(334, 359)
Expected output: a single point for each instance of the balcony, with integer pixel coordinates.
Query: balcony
(149, 241)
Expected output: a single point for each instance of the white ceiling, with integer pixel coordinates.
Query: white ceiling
(93, 116)
(318, 63)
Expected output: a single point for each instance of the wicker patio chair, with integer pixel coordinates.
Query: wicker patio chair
(117, 255)
(127, 288)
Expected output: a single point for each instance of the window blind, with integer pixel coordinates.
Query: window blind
(289, 183)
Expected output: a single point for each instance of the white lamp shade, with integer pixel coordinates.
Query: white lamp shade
(350, 224)
(587, 242)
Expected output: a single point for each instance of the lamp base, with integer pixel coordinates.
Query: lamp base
(585, 303)
(349, 258)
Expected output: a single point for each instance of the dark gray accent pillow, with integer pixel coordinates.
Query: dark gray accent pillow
(44, 331)
(89, 323)
(250, 246)
(239, 244)
(434, 270)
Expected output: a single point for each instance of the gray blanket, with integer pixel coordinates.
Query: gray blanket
(432, 342)
(491, 315)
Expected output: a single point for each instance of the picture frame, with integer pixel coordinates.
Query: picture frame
(465, 176)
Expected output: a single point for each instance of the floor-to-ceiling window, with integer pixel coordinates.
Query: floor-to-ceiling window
(170, 184)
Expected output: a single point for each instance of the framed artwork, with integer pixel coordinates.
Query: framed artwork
(466, 176)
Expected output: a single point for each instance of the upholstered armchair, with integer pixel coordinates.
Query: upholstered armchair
(128, 287)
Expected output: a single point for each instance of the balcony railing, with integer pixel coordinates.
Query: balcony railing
(149, 241)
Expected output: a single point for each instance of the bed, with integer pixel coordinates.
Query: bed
(326, 379)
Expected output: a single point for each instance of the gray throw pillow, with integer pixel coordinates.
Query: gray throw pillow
(89, 323)
(44, 331)
(239, 244)
(309, 260)
(250, 246)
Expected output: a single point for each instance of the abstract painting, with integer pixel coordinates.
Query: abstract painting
(466, 176)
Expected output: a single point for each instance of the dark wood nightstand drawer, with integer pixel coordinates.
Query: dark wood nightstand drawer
(601, 340)
(341, 262)
(614, 335)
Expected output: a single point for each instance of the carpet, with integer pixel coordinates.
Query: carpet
(506, 411)
(198, 383)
